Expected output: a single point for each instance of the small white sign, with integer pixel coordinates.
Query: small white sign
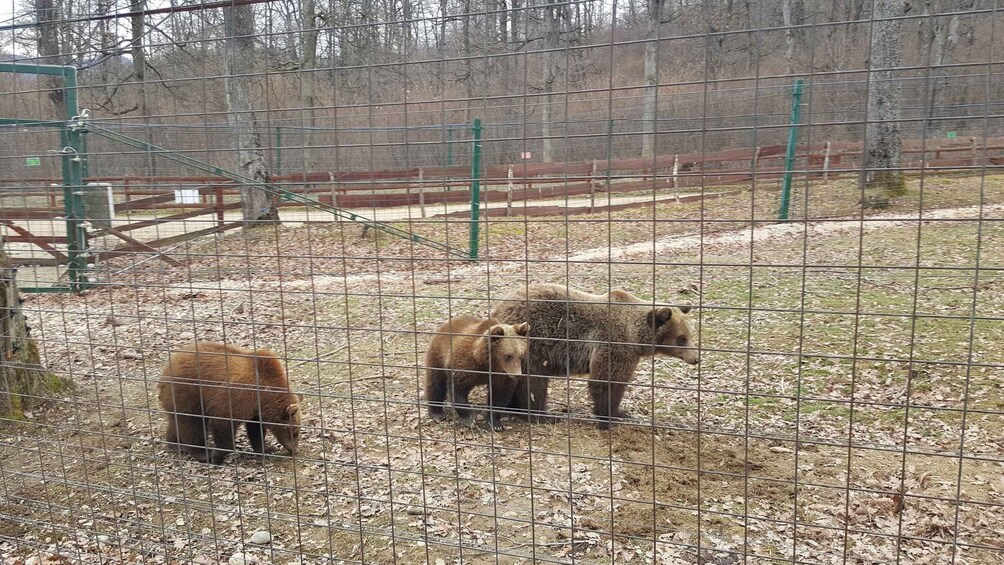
(526, 155)
(186, 196)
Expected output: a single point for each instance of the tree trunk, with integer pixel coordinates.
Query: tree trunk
(883, 179)
(648, 119)
(468, 67)
(791, 14)
(940, 37)
(308, 81)
(24, 383)
(514, 21)
(552, 37)
(49, 52)
(139, 64)
(259, 205)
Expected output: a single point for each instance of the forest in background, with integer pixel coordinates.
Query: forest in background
(386, 84)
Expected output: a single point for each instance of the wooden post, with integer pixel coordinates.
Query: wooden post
(972, 150)
(592, 185)
(508, 194)
(219, 205)
(334, 189)
(421, 190)
(756, 161)
(676, 174)
(826, 161)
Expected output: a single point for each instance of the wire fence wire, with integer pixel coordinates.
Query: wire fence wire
(847, 405)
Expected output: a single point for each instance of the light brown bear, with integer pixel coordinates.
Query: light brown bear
(218, 387)
(469, 351)
(602, 335)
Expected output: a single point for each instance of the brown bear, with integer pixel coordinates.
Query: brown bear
(469, 351)
(219, 387)
(602, 335)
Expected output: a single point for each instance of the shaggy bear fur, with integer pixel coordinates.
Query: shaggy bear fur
(602, 335)
(469, 351)
(219, 387)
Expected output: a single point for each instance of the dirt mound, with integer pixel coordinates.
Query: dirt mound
(679, 482)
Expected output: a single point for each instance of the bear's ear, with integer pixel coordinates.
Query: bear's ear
(685, 308)
(497, 330)
(660, 316)
(292, 409)
(299, 398)
(523, 329)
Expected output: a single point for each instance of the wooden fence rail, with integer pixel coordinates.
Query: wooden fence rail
(522, 181)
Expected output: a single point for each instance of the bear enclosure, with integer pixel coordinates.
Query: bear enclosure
(333, 181)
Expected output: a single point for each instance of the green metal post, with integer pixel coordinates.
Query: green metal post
(475, 187)
(789, 158)
(278, 150)
(74, 166)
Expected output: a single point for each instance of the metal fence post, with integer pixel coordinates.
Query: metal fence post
(789, 158)
(74, 161)
(475, 186)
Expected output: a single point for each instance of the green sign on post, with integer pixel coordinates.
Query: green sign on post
(951, 135)
(32, 161)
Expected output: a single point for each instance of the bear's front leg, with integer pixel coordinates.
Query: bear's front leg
(500, 391)
(529, 400)
(609, 374)
(256, 435)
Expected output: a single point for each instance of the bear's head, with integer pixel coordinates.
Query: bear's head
(507, 347)
(288, 431)
(671, 331)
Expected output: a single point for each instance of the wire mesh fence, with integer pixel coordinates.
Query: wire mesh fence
(501, 282)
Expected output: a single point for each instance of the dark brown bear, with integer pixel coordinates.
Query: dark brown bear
(218, 387)
(602, 335)
(467, 352)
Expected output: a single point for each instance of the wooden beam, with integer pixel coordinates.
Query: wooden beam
(127, 249)
(137, 244)
(31, 238)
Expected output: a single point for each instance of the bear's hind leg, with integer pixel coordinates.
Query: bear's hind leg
(435, 392)
(189, 435)
(223, 439)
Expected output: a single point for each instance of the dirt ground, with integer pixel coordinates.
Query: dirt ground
(848, 406)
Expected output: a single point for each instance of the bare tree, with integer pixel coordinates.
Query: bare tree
(259, 205)
(883, 179)
(49, 52)
(552, 39)
(308, 81)
(23, 381)
(939, 36)
(648, 118)
(791, 14)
